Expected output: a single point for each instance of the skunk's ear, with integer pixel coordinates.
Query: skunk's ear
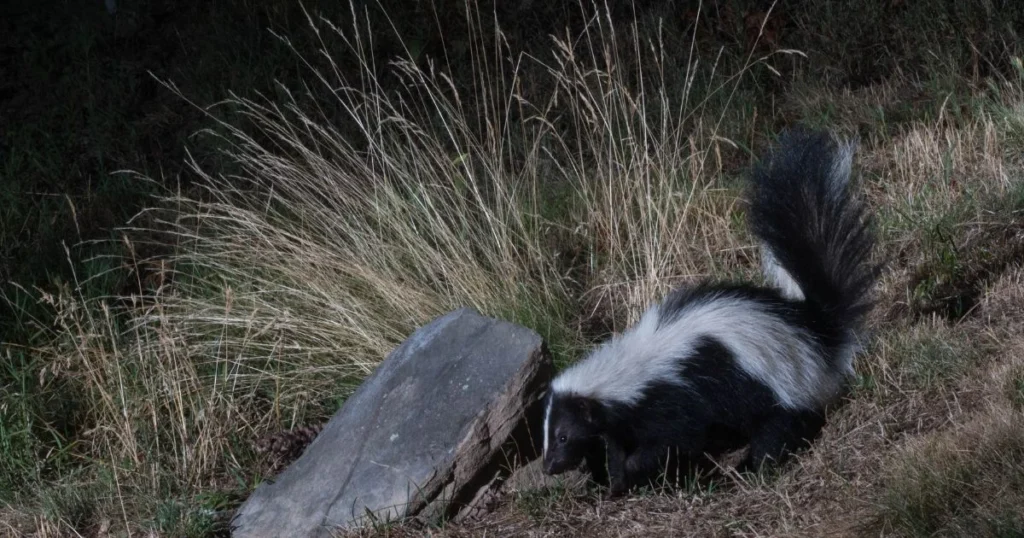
(591, 411)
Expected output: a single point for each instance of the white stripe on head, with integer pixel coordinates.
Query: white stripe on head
(547, 423)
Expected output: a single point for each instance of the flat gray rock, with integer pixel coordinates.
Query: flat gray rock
(431, 433)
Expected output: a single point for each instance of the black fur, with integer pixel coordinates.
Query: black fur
(819, 233)
(821, 236)
(672, 432)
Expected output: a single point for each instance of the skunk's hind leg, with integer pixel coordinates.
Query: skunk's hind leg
(781, 435)
(643, 467)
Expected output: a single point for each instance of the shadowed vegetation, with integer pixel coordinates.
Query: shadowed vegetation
(308, 185)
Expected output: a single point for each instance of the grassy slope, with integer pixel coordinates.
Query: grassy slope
(290, 278)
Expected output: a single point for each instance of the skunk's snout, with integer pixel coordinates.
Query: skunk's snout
(554, 466)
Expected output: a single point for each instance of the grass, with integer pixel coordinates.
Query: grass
(334, 201)
(80, 105)
(966, 482)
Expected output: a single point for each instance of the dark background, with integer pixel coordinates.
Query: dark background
(80, 100)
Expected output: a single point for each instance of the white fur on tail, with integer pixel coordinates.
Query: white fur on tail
(782, 357)
(778, 277)
(841, 167)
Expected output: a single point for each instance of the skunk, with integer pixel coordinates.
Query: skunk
(722, 366)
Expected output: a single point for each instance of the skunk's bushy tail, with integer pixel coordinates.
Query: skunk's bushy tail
(816, 235)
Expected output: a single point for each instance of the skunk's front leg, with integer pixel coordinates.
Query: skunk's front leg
(596, 463)
(618, 480)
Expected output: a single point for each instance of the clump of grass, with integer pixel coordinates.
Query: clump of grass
(931, 358)
(1015, 389)
(295, 276)
(968, 482)
(536, 503)
(930, 355)
(327, 249)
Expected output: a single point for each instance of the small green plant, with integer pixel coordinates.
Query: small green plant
(865, 383)
(1015, 389)
(536, 503)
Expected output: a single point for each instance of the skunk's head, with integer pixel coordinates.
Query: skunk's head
(572, 425)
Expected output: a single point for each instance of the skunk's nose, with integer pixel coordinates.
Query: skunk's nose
(548, 468)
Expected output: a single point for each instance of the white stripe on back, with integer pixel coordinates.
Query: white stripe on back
(772, 351)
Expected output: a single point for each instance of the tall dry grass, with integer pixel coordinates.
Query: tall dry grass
(352, 219)
(326, 249)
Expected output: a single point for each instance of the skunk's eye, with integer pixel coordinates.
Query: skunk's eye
(562, 439)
